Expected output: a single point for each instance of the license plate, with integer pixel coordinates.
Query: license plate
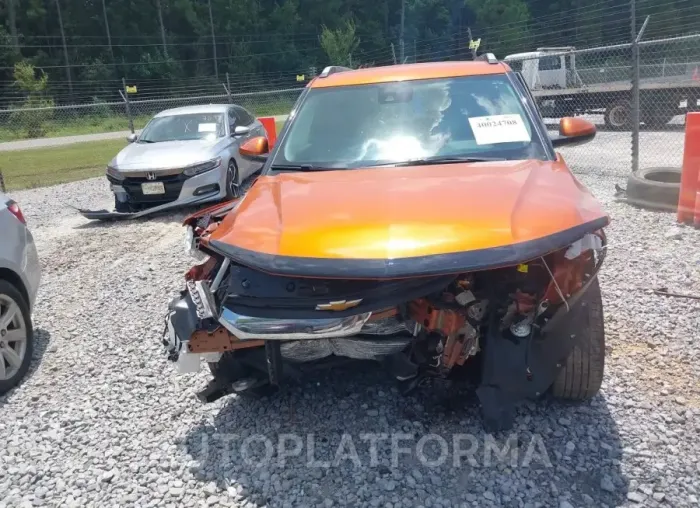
(153, 188)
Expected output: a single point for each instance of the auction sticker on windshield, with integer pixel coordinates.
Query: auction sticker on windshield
(207, 127)
(489, 130)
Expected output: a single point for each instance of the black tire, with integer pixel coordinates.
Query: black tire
(10, 291)
(582, 374)
(233, 181)
(655, 188)
(618, 116)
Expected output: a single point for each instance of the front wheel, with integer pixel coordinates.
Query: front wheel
(16, 336)
(582, 374)
(233, 184)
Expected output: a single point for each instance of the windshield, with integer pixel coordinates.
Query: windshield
(184, 127)
(361, 126)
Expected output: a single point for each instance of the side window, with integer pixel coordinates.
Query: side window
(233, 119)
(550, 63)
(243, 115)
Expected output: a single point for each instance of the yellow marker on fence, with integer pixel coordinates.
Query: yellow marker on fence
(475, 44)
(300, 77)
(131, 89)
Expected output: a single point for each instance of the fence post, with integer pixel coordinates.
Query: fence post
(635, 89)
(125, 96)
(227, 87)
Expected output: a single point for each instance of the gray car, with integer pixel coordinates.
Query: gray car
(185, 155)
(19, 283)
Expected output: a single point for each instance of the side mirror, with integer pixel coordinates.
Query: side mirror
(573, 131)
(240, 130)
(132, 137)
(256, 149)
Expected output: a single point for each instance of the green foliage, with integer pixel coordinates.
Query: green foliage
(511, 16)
(339, 44)
(36, 109)
(265, 43)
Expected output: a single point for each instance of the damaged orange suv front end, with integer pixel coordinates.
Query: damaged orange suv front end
(415, 215)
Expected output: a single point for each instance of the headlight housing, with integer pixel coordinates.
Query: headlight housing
(202, 167)
(114, 173)
(191, 245)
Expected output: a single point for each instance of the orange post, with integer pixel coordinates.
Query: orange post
(688, 208)
(271, 128)
(696, 219)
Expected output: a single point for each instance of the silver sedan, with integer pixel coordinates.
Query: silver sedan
(19, 283)
(184, 156)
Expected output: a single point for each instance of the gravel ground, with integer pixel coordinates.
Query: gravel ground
(102, 419)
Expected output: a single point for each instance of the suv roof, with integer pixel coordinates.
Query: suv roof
(409, 72)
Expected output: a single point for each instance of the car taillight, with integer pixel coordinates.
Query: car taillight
(16, 211)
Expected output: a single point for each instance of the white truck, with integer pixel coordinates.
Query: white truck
(561, 89)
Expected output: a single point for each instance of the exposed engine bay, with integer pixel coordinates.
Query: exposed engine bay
(514, 324)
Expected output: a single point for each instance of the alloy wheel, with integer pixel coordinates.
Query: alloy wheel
(13, 338)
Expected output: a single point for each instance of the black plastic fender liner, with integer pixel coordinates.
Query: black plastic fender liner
(515, 370)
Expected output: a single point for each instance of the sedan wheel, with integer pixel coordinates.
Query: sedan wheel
(233, 187)
(15, 337)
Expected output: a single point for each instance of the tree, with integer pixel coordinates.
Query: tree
(37, 108)
(339, 44)
(503, 24)
(12, 21)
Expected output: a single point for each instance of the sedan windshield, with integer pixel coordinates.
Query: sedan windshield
(463, 119)
(184, 127)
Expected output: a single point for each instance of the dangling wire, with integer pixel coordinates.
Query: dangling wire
(561, 295)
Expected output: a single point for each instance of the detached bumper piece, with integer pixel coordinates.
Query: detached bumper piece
(107, 215)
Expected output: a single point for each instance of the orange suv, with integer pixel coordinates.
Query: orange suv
(415, 215)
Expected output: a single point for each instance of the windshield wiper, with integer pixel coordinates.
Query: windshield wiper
(146, 141)
(299, 167)
(444, 159)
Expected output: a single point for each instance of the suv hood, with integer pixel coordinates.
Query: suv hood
(387, 221)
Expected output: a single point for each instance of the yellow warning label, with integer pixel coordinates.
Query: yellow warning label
(522, 268)
(131, 89)
(300, 77)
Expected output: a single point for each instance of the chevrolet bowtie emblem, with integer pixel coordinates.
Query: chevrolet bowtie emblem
(339, 305)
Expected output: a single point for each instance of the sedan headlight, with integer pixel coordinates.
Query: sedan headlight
(203, 167)
(114, 173)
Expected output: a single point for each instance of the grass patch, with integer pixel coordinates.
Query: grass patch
(77, 126)
(40, 167)
(67, 123)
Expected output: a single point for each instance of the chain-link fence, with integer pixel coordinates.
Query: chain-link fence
(600, 84)
(109, 116)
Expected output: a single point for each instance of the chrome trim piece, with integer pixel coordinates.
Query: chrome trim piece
(248, 327)
(158, 172)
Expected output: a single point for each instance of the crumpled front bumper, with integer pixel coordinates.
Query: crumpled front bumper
(195, 309)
